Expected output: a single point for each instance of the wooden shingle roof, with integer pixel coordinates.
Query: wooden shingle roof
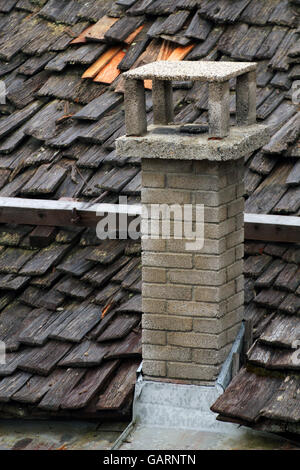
(62, 64)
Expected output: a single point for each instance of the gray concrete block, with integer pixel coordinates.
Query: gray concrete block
(135, 108)
(206, 71)
(218, 109)
(246, 99)
(163, 107)
(173, 145)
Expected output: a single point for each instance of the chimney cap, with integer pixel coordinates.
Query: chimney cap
(206, 71)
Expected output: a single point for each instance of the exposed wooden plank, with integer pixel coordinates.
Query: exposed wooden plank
(107, 293)
(111, 71)
(267, 278)
(255, 265)
(275, 228)
(97, 31)
(59, 213)
(63, 213)
(270, 298)
(285, 404)
(10, 123)
(134, 304)
(108, 252)
(37, 331)
(248, 337)
(289, 278)
(129, 40)
(44, 260)
(81, 39)
(135, 50)
(198, 28)
(12, 282)
(181, 52)
(105, 58)
(13, 259)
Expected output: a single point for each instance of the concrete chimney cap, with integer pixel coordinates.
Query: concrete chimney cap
(206, 71)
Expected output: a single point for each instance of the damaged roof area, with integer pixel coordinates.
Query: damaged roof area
(70, 304)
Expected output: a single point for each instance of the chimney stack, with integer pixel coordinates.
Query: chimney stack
(193, 293)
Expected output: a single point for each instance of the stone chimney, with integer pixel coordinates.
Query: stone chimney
(192, 298)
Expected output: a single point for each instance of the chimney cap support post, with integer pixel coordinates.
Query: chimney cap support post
(216, 74)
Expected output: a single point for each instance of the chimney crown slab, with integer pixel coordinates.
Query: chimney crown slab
(204, 71)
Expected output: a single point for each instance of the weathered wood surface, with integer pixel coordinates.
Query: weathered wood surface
(120, 388)
(198, 28)
(291, 304)
(99, 275)
(10, 123)
(108, 252)
(10, 385)
(81, 320)
(74, 288)
(37, 331)
(134, 304)
(62, 11)
(58, 213)
(283, 331)
(289, 278)
(270, 358)
(41, 237)
(68, 379)
(130, 346)
(285, 404)
(89, 386)
(43, 360)
(246, 396)
(12, 259)
(267, 278)
(44, 259)
(55, 155)
(270, 298)
(36, 387)
(255, 265)
(86, 354)
(272, 228)
(120, 327)
(98, 107)
(121, 29)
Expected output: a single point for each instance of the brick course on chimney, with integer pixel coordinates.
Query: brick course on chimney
(192, 299)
